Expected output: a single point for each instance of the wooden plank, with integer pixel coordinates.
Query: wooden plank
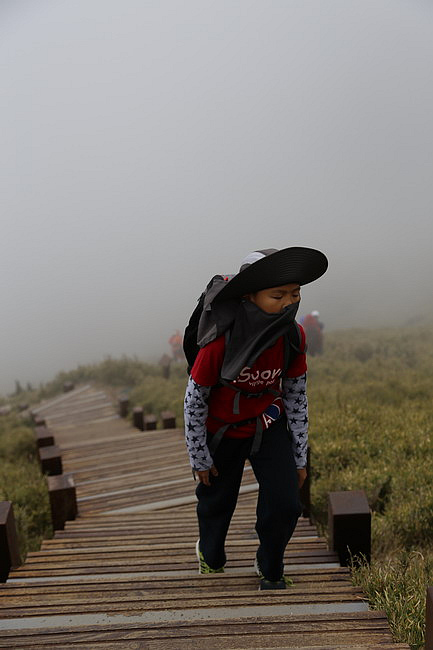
(233, 545)
(70, 396)
(143, 545)
(230, 582)
(105, 459)
(346, 630)
(156, 554)
(98, 450)
(118, 600)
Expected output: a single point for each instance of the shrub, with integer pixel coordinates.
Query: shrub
(22, 483)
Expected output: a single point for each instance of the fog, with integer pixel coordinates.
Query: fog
(147, 145)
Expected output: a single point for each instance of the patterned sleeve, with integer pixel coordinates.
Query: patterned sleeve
(195, 415)
(296, 408)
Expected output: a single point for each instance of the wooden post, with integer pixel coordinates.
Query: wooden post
(9, 553)
(149, 422)
(51, 460)
(44, 437)
(168, 420)
(305, 489)
(137, 417)
(349, 525)
(63, 499)
(123, 407)
(165, 362)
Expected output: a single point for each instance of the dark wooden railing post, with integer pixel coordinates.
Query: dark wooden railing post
(51, 460)
(9, 553)
(43, 437)
(123, 407)
(63, 499)
(349, 525)
(168, 420)
(149, 422)
(137, 417)
(305, 494)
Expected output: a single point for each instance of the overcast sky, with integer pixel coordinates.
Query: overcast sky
(147, 145)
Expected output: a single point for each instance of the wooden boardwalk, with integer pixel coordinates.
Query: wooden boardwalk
(124, 573)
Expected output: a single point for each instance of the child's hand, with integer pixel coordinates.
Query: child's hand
(203, 475)
(302, 475)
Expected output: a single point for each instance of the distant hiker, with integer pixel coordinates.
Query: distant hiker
(314, 333)
(165, 362)
(176, 346)
(246, 398)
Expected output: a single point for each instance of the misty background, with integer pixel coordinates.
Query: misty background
(147, 145)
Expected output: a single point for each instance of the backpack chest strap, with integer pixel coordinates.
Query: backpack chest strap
(247, 394)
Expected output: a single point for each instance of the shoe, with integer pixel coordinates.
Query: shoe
(265, 584)
(203, 567)
(269, 584)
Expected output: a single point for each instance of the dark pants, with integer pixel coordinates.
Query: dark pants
(278, 505)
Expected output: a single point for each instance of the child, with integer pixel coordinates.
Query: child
(246, 398)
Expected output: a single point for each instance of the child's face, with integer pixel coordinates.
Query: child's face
(273, 300)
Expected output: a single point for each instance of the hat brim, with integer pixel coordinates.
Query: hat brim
(289, 265)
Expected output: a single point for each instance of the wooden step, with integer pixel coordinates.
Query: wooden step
(365, 629)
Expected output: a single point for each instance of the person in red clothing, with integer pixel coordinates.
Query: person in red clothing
(176, 346)
(246, 399)
(314, 333)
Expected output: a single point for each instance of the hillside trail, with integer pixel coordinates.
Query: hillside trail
(124, 573)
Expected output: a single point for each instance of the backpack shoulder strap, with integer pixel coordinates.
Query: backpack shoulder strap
(292, 344)
(190, 346)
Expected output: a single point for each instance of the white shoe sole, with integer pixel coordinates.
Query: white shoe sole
(197, 552)
(256, 568)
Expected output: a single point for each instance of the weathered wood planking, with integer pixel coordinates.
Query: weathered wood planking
(367, 630)
(135, 573)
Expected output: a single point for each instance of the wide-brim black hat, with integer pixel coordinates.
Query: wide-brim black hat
(273, 268)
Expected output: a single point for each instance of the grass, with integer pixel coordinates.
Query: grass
(397, 585)
(22, 483)
(156, 394)
(371, 428)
